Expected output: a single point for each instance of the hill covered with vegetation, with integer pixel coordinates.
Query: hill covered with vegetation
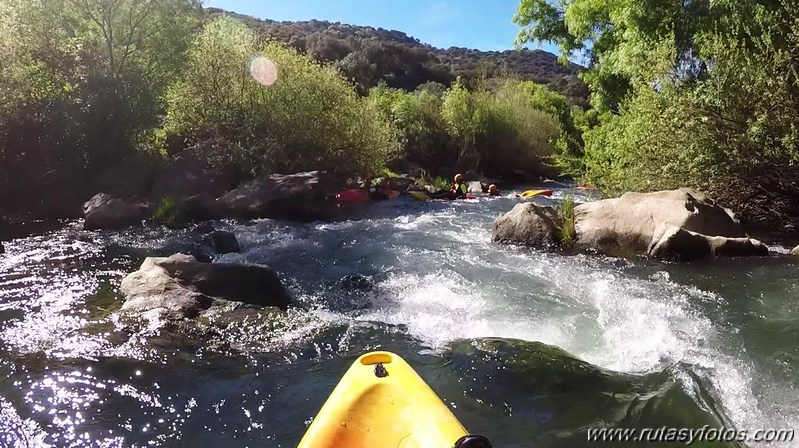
(369, 55)
(99, 96)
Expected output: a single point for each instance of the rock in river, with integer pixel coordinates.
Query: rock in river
(676, 224)
(104, 211)
(529, 224)
(181, 283)
(299, 197)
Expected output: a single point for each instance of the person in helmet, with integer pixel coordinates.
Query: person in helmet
(493, 190)
(459, 188)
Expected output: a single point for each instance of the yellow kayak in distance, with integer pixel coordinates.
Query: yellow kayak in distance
(419, 195)
(381, 402)
(534, 193)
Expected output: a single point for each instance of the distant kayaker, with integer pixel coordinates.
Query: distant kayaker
(459, 188)
(493, 190)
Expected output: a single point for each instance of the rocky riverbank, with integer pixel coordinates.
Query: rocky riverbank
(680, 225)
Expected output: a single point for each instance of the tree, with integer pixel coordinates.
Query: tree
(311, 118)
(83, 87)
(691, 93)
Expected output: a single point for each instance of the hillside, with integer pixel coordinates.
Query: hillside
(369, 55)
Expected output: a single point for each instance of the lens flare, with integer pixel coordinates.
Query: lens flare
(263, 70)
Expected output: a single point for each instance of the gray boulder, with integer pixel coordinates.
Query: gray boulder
(181, 284)
(475, 186)
(300, 197)
(104, 211)
(680, 224)
(401, 184)
(528, 224)
(202, 207)
(795, 251)
(223, 242)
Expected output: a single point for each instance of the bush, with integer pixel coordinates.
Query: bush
(500, 126)
(169, 212)
(311, 118)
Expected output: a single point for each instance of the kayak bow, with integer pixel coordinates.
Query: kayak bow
(382, 402)
(534, 193)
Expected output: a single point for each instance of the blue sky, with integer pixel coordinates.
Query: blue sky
(480, 24)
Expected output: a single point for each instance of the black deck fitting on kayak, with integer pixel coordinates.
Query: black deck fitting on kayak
(471, 441)
(380, 371)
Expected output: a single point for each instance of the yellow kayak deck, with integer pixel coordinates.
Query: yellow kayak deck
(368, 409)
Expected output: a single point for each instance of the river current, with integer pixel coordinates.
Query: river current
(529, 348)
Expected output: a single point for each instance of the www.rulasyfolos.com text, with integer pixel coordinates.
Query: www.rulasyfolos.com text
(690, 435)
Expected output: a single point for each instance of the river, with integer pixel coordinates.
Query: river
(529, 348)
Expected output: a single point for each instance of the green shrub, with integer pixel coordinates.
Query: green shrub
(311, 118)
(567, 218)
(169, 212)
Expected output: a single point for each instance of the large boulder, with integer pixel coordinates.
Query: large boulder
(104, 211)
(223, 242)
(680, 224)
(528, 224)
(795, 251)
(188, 174)
(202, 207)
(401, 184)
(180, 283)
(300, 197)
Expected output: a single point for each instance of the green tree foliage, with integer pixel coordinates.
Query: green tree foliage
(496, 127)
(81, 87)
(310, 118)
(700, 93)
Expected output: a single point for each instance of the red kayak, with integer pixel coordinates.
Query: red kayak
(352, 195)
(389, 192)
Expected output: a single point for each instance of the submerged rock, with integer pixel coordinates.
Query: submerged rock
(104, 211)
(356, 282)
(551, 396)
(223, 242)
(182, 284)
(298, 197)
(678, 224)
(529, 224)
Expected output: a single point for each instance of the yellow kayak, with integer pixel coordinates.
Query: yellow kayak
(419, 195)
(381, 402)
(534, 193)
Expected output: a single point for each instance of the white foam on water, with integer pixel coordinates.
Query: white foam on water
(582, 304)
